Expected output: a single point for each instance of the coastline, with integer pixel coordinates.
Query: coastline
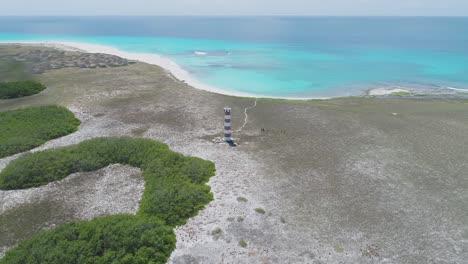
(184, 76)
(169, 65)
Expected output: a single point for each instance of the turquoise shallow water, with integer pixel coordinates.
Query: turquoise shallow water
(293, 57)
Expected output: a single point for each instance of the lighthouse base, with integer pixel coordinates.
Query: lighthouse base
(230, 141)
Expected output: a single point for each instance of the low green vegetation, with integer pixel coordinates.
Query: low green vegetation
(175, 190)
(25, 129)
(13, 71)
(9, 90)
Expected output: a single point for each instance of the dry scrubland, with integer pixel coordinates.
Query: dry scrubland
(348, 180)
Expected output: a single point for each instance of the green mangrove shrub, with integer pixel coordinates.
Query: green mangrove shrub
(175, 190)
(25, 129)
(9, 90)
(115, 239)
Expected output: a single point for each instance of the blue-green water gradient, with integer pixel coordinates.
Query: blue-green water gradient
(279, 56)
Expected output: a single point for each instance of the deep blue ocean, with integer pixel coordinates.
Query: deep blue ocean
(279, 56)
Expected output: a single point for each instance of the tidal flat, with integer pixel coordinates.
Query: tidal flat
(344, 180)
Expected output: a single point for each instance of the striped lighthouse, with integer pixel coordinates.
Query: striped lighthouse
(227, 125)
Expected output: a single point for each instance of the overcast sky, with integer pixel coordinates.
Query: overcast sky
(235, 7)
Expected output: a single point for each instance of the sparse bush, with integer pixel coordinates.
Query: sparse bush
(242, 199)
(242, 243)
(260, 210)
(217, 233)
(9, 90)
(174, 191)
(25, 129)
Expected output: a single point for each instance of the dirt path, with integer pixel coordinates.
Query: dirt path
(246, 118)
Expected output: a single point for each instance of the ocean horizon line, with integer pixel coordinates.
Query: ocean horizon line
(235, 16)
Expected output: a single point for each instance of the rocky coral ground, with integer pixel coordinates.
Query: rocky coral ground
(40, 60)
(349, 180)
